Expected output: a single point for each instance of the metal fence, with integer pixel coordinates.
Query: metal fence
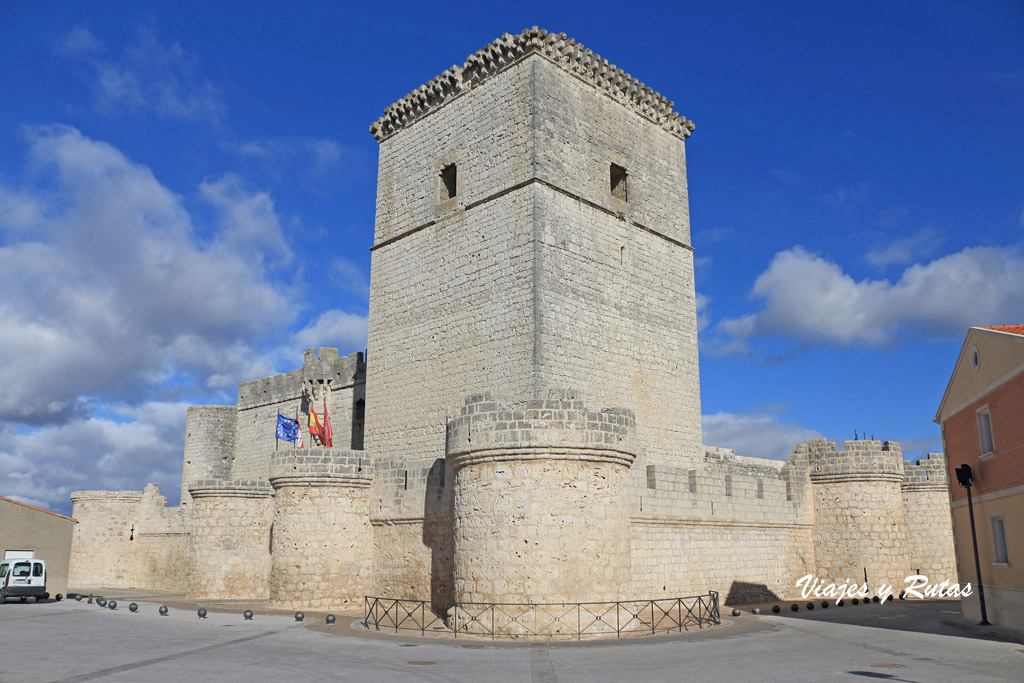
(551, 621)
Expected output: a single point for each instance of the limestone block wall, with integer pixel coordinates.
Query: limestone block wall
(322, 541)
(101, 545)
(541, 491)
(739, 526)
(860, 522)
(230, 547)
(260, 401)
(161, 545)
(413, 534)
(209, 446)
(930, 546)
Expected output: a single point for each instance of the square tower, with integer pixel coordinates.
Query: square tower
(532, 234)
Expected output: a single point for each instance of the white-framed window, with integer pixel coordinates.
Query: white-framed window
(988, 444)
(999, 552)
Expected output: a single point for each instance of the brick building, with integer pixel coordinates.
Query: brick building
(982, 419)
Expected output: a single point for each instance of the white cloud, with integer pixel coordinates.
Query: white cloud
(124, 450)
(906, 250)
(813, 300)
(703, 311)
(113, 293)
(755, 435)
(333, 328)
(148, 75)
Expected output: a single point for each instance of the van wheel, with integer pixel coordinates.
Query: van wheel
(46, 596)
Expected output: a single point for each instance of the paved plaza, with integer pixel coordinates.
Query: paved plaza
(74, 641)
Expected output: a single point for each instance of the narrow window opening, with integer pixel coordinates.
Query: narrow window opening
(405, 485)
(999, 541)
(693, 481)
(449, 182)
(652, 477)
(622, 256)
(985, 432)
(358, 419)
(618, 181)
(728, 484)
(760, 488)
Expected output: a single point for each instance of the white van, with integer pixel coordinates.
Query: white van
(23, 578)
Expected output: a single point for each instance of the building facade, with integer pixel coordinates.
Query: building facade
(982, 419)
(526, 426)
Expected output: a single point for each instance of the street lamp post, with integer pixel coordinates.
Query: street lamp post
(966, 479)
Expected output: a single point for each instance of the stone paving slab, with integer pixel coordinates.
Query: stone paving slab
(74, 642)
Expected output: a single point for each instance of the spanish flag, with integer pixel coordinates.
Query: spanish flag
(315, 428)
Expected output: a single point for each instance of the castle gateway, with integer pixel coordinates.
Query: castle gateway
(526, 425)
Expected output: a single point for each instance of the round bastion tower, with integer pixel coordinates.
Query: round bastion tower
(322, 540)
(230, 540)
(860, 523)
(541, 500)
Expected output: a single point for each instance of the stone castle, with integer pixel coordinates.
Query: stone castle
(525, 427)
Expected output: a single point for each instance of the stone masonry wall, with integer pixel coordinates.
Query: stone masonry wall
(230, 548)
(860, 522)
(739, 526)
(930, 547)
(541, 492)
(101, 552)
(322, 540)
(209, 446)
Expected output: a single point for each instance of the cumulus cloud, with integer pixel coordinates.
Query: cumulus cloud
(112, 293)
(121, 450)
(756, 435)
(350, 277)
(811, 299)
(333, 328)
(148, 74)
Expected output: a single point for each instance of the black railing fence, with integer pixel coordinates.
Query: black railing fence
(552, 621)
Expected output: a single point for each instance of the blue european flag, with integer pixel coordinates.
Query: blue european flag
(287, 428)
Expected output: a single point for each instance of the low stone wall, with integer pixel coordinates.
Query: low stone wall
(230, 558)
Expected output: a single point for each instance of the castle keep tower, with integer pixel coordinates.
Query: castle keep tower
(532, 236)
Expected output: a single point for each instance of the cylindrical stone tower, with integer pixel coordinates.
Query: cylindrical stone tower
(209, 446)
(860, 526)
(323, 540)
(929, 522)
(230, 528)
(541, 508)
(101, 544)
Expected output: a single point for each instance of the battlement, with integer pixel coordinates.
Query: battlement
(231, 488)
(503, 52)
(273, 389)
(928, 474)
(558, 426)
(320, 467)
(106, 496)
(865, 460)
(330, 368)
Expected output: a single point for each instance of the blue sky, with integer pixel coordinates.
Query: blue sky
(187, 198)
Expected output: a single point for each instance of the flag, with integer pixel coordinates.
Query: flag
(315, 428)
(326, 430)
(287, 428)
(298, 437)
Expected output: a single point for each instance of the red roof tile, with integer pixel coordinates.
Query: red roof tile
(1012, 329)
